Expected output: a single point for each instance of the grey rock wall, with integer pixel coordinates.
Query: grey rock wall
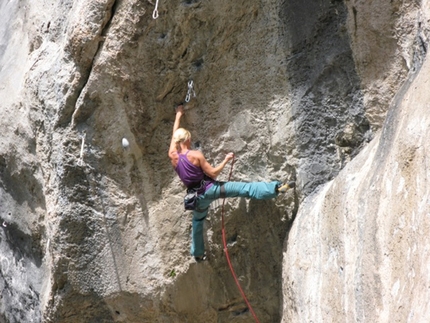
(366, 259)
(295, 88)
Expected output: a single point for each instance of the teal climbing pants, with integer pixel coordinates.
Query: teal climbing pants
(254, 190)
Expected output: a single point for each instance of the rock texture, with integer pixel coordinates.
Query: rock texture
(95, 232)
(366, 259)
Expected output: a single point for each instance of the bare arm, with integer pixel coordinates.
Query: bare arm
(213, 172)
(179, 114)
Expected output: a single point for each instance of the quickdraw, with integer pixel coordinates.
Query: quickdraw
(155, 13)
(190, 91)
(81, 156)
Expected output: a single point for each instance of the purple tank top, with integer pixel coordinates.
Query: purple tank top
(190, 174)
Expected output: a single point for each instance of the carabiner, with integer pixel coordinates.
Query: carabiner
(155, 13)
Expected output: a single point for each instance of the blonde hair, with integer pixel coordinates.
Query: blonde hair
(181, 135)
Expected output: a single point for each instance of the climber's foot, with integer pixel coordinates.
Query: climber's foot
(285, 187)
(200, 258)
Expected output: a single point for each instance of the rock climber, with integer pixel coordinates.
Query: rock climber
(196, 173)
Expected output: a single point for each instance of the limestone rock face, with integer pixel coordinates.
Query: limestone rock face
(388, 41)
(359, 247)
(93, 230)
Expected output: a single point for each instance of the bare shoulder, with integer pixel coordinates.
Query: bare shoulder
(195, 153)
(195, 157)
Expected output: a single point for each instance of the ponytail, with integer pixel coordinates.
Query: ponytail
(181, 135)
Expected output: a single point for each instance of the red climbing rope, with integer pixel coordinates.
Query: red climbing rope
(227, 256)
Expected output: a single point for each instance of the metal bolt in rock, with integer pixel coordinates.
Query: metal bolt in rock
(125, 143)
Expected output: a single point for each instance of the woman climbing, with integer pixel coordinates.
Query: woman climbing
(196, 173)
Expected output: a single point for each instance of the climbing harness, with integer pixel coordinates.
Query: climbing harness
(193, 193)
(81, 156)
(155, 13)
(190, 91)
(227, 256)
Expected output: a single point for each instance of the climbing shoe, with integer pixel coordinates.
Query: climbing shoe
(200, 258)
(285, 187)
